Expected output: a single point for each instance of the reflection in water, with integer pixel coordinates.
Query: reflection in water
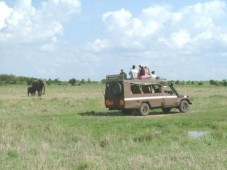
(196, 134)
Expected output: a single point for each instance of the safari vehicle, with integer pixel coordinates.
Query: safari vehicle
(139, 96)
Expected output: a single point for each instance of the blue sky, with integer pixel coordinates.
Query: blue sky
(180, 40)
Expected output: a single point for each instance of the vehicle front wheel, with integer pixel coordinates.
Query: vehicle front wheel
(184, 106)
(144, 109)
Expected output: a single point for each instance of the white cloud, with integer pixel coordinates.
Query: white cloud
(176, 16)
(160, 24)
(60, 9)
(24, 4)
(224, 38)
(176, 38)
(159, 13)
(99, 45)
(123, 23)
(25, 24)
(204, 36)
(33, 32)
(5, 13)
(118, 19)
(180, 38)
(49, 47)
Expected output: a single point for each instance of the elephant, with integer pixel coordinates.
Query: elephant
(39, 85)
(31, 91)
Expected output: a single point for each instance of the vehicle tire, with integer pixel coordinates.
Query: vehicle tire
(184, 106)
(116, 89)
(144, 109)
(166, 109)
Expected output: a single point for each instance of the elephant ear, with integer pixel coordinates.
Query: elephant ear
(42, 81)
(43, 84)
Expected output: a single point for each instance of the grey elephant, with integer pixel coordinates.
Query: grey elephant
(31, 91)
(39, 85)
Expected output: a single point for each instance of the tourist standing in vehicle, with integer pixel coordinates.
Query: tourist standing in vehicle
(133, 72)
(153, 75)
(123, 74)
(141, 73)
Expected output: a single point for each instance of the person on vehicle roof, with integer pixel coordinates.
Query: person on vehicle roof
(122, 73)
(153, 75)
(141, 73)
(133, 72)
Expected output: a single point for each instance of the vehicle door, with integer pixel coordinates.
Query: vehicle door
(170, 97)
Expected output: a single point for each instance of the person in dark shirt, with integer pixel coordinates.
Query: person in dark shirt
(123, 74)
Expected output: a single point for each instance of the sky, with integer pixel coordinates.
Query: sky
(89, 39)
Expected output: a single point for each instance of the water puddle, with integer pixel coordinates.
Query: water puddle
(197, 134)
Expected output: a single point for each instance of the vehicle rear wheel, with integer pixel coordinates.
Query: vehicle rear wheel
(184, 106)
(166, 109)
(144, 109)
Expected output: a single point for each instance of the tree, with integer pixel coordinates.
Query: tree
(103, 81)
(82, 81)
(224, 82)
(88, 80)
(72, 81)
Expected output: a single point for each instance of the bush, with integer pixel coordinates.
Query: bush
(200, 83)
(72, 81)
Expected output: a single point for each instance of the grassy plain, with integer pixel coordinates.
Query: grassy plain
(69, 128)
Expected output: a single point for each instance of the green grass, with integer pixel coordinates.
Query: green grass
(69, 128)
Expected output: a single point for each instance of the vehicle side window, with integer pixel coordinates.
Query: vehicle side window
(142, 89)
(136, 89)
(157, 88)
(147, 89)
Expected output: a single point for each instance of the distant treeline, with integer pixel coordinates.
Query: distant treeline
(210, 82)
(12, 79)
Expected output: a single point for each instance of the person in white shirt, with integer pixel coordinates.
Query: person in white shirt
(133, 72)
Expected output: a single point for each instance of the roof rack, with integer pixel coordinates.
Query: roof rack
(115, 77)
(118, 77)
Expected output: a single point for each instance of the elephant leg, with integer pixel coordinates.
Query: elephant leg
(29, 91)
(39, 92)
